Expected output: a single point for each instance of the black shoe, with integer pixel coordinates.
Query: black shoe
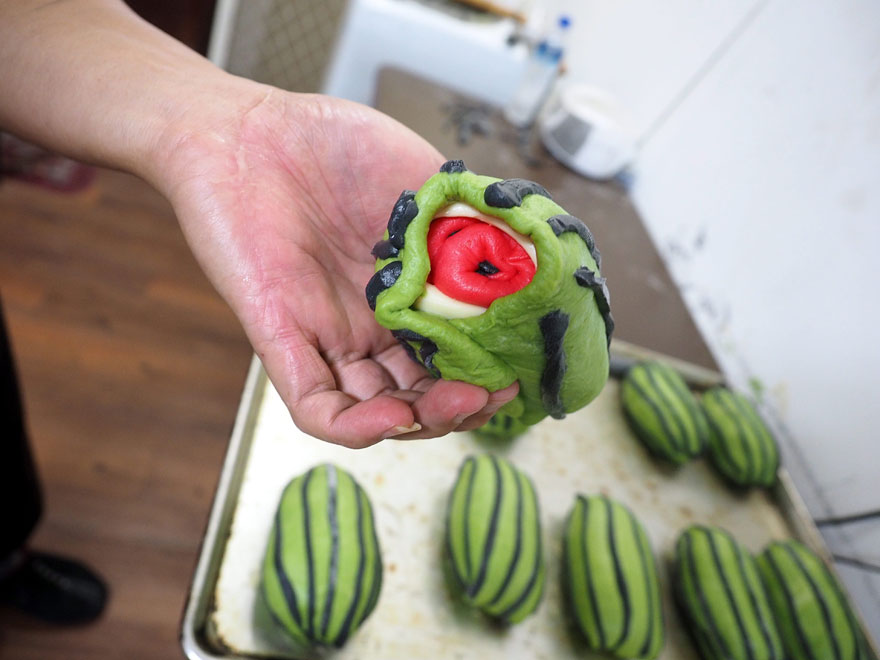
(55, 590)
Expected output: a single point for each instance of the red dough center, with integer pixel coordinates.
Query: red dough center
(475, 262)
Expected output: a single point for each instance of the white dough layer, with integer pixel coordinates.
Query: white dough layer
(434, 301)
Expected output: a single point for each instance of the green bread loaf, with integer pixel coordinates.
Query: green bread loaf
(610, 579)
(322, 571)
(551, 335)
(814, 616)
(663, 412)
(741, 446)
(722, 599)
(493, 538)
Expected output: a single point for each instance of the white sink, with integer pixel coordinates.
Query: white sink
(449, 48)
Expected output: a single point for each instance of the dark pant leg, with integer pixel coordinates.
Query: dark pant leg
(19, 487)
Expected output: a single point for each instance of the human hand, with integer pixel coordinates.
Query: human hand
(281, 197)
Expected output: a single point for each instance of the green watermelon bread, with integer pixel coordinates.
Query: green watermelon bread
(610, 579)
(741, 446)
(489, 282)
(722, 599)
(663, 412)
(322, 571)
(814, 616)
(493, 538)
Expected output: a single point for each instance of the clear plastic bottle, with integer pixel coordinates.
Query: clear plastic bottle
(540, 74)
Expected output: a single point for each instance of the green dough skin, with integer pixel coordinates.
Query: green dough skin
(610, 579)
(505, 343)
(814, 616)
(493, 539)
(663, 412)
(741, 446)
(322, 572)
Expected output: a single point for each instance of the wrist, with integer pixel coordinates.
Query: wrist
(192, 122)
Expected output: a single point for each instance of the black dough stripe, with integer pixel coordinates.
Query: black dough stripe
(332, 491)
(690, 403)
(642, 433)
(826, 615)
(517, 548)
(553, 326)
(450, 551)
(711, 624)
(753, 599)
(585, 549)
(286, 587)
(755, 432)
(725, 454)
(658, 412)
(792, 608)
(641, 541)
(405, 209)
(427, 351)
(704, 644)
(588, 279)
(307, 533)
(489, 544)
(511, 192)
(536, 568)
(679, 441)
(453, 167)
(408, 335)
(597, 284)
(728, 591)
(345, 630)
(377, 568)
(618, 575)
(760, 435)
(384, 250)
(382, 279)
(468, 499)
(859, 640)
(568, 223)
(750, 469)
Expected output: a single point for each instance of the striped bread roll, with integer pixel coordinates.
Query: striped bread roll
(721, 596)
(493, 538)
(610, 579)
(322, 571)
(741, 446)
(811, 610)
(663, 412)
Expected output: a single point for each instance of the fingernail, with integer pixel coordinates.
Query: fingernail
(493, 408)
(458, 419)
(400, 430)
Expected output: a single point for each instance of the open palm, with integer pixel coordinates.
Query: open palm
(281, 203)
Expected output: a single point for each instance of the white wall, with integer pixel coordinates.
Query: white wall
(759, 180)
(646, 52)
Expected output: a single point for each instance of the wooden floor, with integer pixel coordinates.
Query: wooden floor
(132, 368)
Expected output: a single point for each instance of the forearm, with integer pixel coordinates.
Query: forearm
(90, 79)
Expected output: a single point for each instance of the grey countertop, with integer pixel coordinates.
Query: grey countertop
(647, 307)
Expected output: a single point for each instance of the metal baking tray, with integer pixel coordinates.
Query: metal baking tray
(589, 451)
